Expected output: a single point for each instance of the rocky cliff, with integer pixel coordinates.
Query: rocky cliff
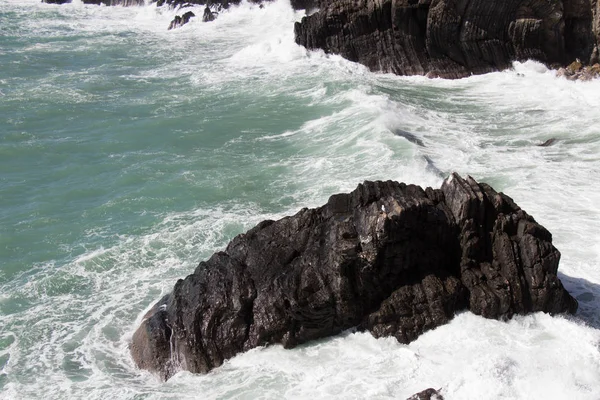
(389, 258)
(453, 38)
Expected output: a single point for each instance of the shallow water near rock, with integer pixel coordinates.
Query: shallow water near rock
(129, 153)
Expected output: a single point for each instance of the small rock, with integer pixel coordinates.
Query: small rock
(577, 72)
(179, 21)
(427, 394)
(574, 67)
(208, 15)
(548, 142)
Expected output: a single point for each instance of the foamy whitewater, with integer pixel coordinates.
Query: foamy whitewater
(129, 153)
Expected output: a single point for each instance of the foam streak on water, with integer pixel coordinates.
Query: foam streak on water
(129, 153)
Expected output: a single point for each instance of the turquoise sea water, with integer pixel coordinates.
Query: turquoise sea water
(129, 153)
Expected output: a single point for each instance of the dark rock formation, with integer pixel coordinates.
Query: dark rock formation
(427, 394)
(452, 38)
(208, 15)
(389, 258)
(56, 1)
(179, 21)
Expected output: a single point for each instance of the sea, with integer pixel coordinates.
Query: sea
(129, 153)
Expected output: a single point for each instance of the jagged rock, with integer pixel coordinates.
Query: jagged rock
(574, 67)
(389, 258)
(576, 71)
(56, 1)
(180, 21)
(208, 15)
(427, 394)
(450, 38)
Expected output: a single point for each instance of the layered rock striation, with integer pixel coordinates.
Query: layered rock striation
(453, 38)
(389, 258)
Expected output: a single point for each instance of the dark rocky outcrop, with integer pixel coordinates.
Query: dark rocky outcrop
(389, 258)
(453, 38)
(208, 15)
(181, 20)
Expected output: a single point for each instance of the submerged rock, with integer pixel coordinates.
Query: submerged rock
(548, 142)
(453, 39)
(180, 21)
(389, 258)
(427, 394)
(411, 137)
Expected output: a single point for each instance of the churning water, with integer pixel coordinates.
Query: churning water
(129, 153)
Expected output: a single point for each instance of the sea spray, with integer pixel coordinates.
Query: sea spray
(130, 153)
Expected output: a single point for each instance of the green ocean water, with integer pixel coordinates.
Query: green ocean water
(129, 153)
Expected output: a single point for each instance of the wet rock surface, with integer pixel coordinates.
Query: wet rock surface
(389, 258)
(179, 21)
(208, 15)
(576, 71)
(450, 38)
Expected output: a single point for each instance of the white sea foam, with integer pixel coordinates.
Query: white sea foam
(71, 320)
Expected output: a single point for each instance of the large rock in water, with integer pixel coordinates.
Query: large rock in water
(389, 258)
(452, 38)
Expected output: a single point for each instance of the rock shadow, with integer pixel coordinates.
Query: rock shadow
(588, 295)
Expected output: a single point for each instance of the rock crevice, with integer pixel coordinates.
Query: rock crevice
(389, 258)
